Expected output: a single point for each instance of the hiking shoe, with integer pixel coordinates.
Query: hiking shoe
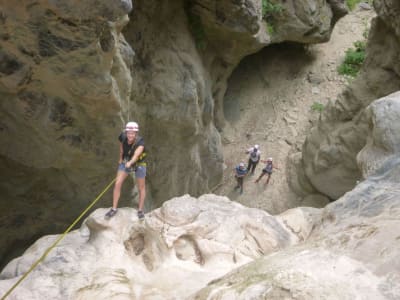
(140, 215)
(111, 213)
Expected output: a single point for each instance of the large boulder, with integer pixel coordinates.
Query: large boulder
(383, 143)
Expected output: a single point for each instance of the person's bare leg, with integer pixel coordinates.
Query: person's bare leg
(121, 176)
(141, 184)
(261, 176)
(269, 176)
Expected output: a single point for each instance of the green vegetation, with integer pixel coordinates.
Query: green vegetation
(269, 8)
(366, 29)
(316, 106)
(366, 32)
(270, 29)
(351, 4)
(353, 60)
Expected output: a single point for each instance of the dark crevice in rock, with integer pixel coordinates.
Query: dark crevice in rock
(135, 244)
(71, 139)
(60, 113)
(186, 248)
(50, 44)
(9, 64)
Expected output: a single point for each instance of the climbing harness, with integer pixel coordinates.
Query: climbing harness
(57, 241)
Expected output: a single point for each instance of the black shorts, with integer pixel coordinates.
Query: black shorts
(267, 171)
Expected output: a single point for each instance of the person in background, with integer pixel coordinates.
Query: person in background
(240, 173)
(131, 159)
(267, 170)
(254, 158)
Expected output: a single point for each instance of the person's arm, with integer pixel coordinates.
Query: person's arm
(121, 152)
(135, 157)
(249, 150)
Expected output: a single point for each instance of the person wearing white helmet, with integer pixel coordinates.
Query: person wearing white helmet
(131, 159)
(254, 158)
(267, 169)
(240, 173)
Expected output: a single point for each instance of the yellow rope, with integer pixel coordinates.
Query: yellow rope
(57, 241)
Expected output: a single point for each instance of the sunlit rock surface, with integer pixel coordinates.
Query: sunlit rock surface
(176, 251)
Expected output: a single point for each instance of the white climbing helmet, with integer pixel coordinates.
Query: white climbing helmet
(241, 165)
(269, 159)
(256, 147)
(132, 126)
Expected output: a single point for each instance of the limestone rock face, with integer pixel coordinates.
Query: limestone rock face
(329, 153)
(212, 248)
(352, 251)
(227, 30)
(180, 74)
(383, 143)
(389, 12)
(172, 254)
(63, 77)
(69, 80)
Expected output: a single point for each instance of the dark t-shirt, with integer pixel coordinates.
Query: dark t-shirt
(129, 149)
(268, 168)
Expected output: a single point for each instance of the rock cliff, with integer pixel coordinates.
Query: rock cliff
(347, 250)
(72, 72)
(191, 248)
(64, 72)
(330, 151)
(352, 250)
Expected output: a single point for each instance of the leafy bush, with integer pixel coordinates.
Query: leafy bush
(353, 60)
(316, 106)
(270, 29)
(269, 9)
(351, 4)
